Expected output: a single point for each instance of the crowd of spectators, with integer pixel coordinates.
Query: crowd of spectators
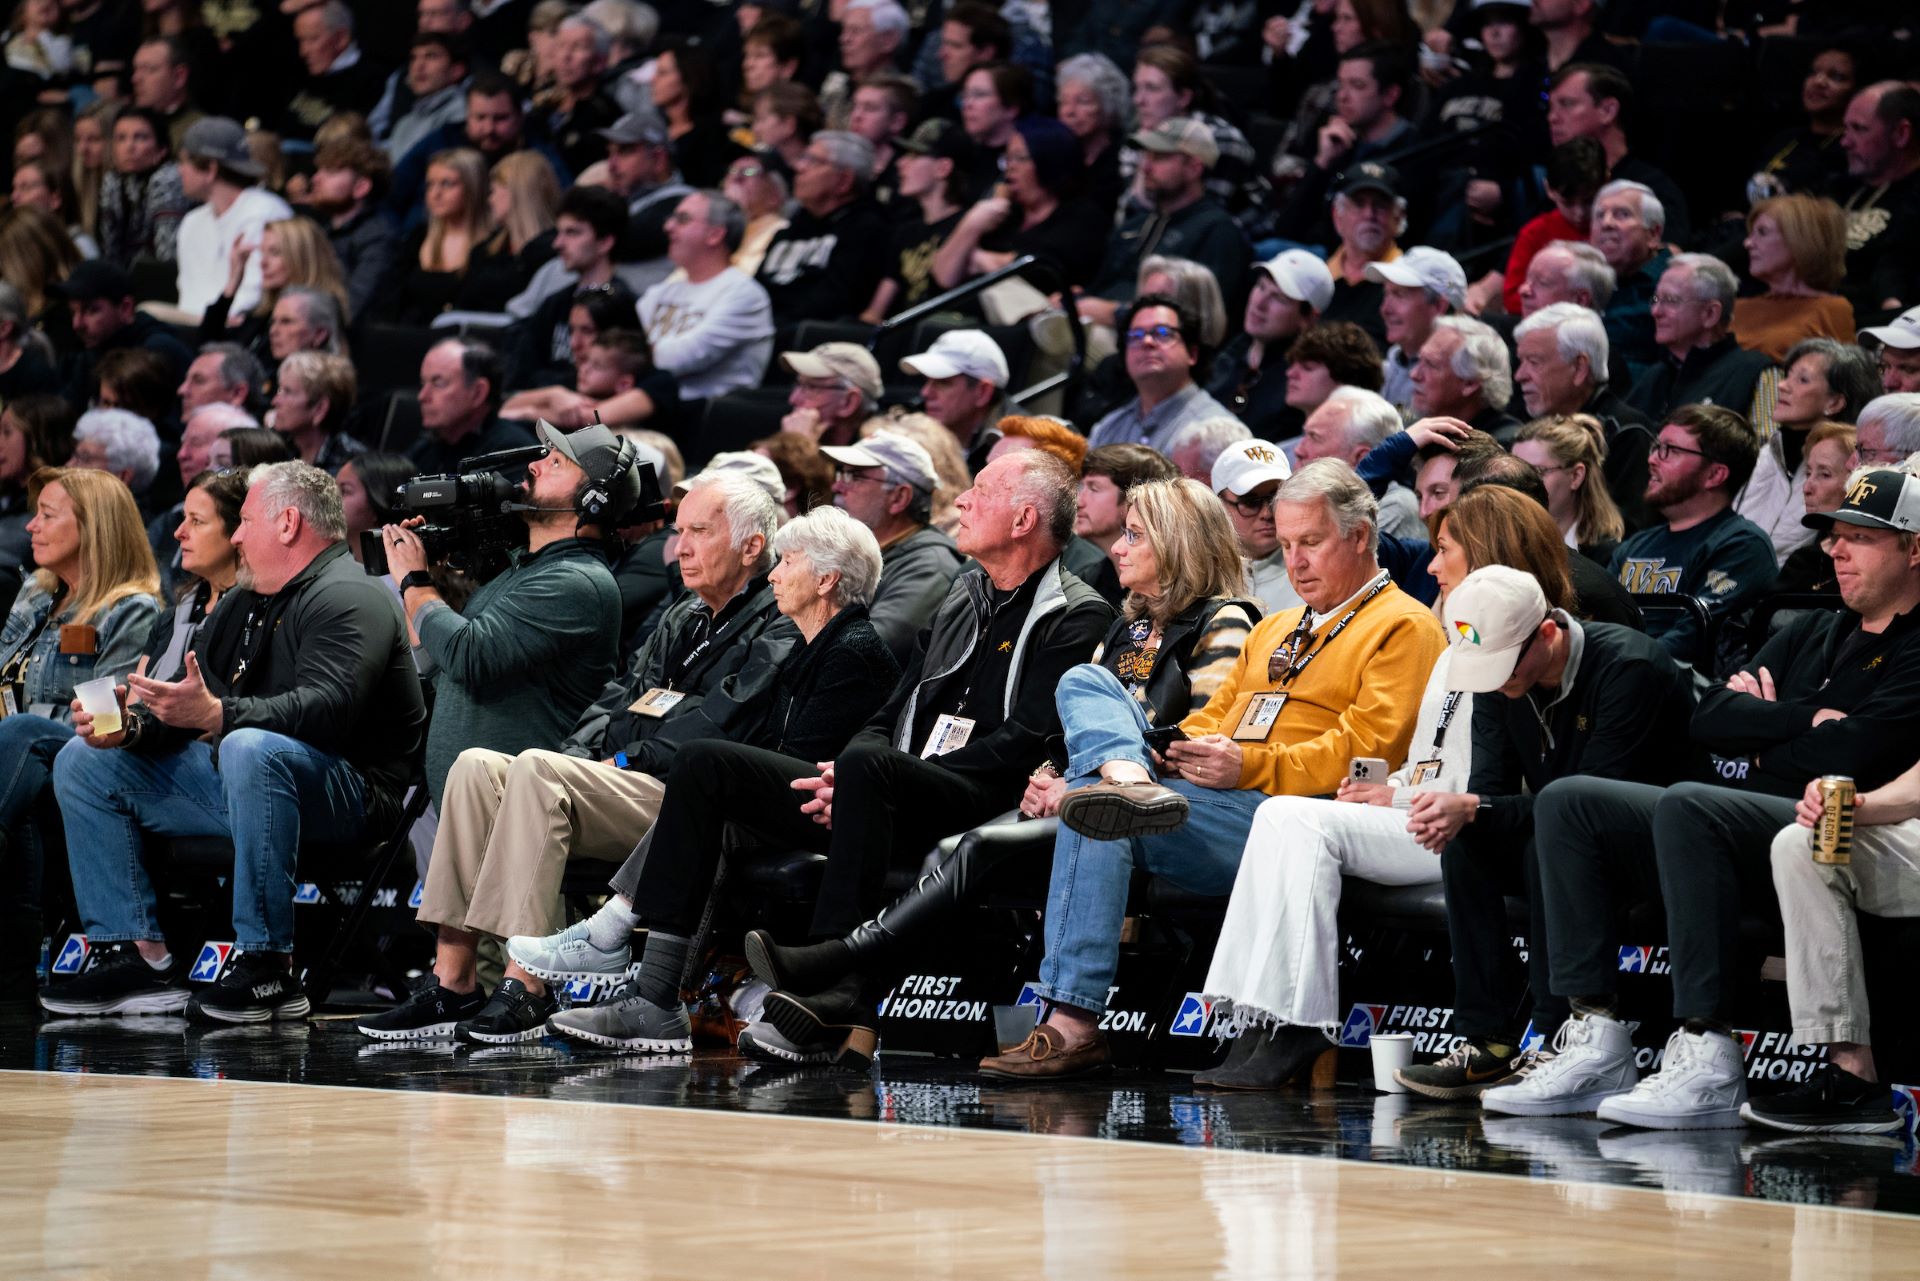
(1434, 335)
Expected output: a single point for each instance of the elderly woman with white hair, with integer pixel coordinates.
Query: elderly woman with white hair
(827, 567)
(120, 442)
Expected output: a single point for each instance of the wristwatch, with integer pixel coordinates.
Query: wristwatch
(416, 578)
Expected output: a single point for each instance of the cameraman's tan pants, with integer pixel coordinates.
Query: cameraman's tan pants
(508, 825)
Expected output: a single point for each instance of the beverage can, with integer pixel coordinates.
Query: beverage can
(1833, 835)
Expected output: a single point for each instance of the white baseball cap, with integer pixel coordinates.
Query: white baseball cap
(756, 467)
(906, 460)
(961, 351)
(1301, 276)
(1247, 465)
(1903, 332)
(1489, 617)
(1425, 268)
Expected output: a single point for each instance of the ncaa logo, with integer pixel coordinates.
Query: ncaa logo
(1362, 1022)
(306, 892)
(1192, 1018)
(73, 955)
(413, 899)
(207, 966)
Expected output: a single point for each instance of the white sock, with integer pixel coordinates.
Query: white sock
(166, 959)
(611, 928)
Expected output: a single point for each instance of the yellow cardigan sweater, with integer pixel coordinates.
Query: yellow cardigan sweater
(1360, 697)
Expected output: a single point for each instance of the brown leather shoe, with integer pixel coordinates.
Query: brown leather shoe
(1112, 811)
(1043, 1057)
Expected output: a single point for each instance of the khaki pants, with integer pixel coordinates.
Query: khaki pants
(509, 824)
(1826, 978)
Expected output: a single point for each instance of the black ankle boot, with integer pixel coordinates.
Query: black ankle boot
(797, 969)
(1276, 1057)
(1237, 1054)
(841, 1021)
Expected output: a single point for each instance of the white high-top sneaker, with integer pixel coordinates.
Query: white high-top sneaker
(1592, 1061)
(1701, 1084)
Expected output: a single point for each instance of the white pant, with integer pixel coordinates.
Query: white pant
(1826, 980)
(1278, 959)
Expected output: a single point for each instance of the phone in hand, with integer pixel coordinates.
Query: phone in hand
(1160, 736)
(1367, 769)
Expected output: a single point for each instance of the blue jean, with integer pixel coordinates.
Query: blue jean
(1087, 897)
(27, 747)
(269, 794)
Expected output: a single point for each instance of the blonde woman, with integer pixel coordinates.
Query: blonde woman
(1797, 247)
(84, 614)
(444, 263)
(523, 199)
(1566, 450)
(92, 134)
(293, 252)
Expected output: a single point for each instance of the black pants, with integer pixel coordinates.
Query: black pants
(1479, 869)
(1703, 851)
(887, 806)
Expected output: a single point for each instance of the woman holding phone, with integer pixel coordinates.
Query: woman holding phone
(1275, 973)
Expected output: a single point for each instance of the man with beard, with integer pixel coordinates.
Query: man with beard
(1703, 548)
(1368, 214)
(349, 183)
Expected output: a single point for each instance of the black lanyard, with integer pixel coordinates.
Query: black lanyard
(255, 616)
(1448, 706)
(1284, 676)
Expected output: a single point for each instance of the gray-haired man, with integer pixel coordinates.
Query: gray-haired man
(822, 265)
(886, 482)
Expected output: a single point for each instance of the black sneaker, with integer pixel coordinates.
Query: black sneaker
(257, 988)
(117, 980)
(514, 1014)
(430, 1014)
(1470, 1069)
(1834, 1101)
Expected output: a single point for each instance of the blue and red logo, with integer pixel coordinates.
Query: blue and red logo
(306, 893)
(73, 955)
(212, 960)
(1906, 1106)
(1192, 1017)
(1362, 1022)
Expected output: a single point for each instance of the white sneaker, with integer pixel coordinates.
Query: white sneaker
(1592, 1060)
(1701, 1084)
(567, 956)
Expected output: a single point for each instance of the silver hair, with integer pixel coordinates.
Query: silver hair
(336, 16)
(322, 309)
(1897, 415)
(1053, 490)
(602, 39)
(1852, 373)
(1482, 358)
(1711, 281)
(1577, 331)
(1195, 287)
(131, 442)
(1101, 74)
(848, 152)
(749, 510)
(888, 17)
(628, 21)
(238, 366)
(1371, 417)
(1332, 481)
(728, 216)
(1210, 434)
(1653, 214)
(219, 414)
(306, 489)
(834, 543)
(1589, 271)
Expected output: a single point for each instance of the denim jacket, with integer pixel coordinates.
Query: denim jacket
(51, 675)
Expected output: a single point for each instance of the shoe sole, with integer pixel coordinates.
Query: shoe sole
(145, 1003)
(1567, 1105)
(298, 1008)
(646, 1045)
(760, 959)
(550, 974)
(767, 1052)
(1450, 1093)
(1717, 1119)
(1107, 817)
(1077, 1074)
(430, 1032)
(471, 1037)
(1892, 1125)
(845, 1044)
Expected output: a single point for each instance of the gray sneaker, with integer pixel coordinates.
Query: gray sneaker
(566, 956)
(627, 1021)
(762, 1041)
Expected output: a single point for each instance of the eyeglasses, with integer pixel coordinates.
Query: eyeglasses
(848, 476)
(1161, 335)
(1562, 467)
(1132, 536)
(1871, 455)
(1249, 506)
(1672, 300)
(816, 387)
(1663, 450)
(745, 171)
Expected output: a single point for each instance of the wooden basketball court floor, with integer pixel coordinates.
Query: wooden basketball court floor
(105, 1176)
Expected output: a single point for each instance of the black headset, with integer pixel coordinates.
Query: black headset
(615, 496)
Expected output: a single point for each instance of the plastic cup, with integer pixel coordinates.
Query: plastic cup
(1391, 1052)
(98, 700)
(1012, 1024)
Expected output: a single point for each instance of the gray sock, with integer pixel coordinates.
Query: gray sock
(611, 927)
(660, 966)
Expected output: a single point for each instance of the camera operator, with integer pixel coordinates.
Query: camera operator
(540, 640)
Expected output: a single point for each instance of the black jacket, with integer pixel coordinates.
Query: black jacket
(1629, 436)
(328, 663)
(916, 573)
(728, 684)
(1820, 660)
(1625, 719)
(1062, 622)
(829, 687)
(1723, 374)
